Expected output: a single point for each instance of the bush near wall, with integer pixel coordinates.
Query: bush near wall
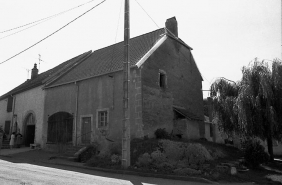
(172, 156)
(141, 146)
(255, 154)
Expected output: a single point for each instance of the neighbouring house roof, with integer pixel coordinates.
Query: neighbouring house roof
(186, 113)
(40, 79)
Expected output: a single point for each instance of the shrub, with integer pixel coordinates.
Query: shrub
(144, 160)
(161, 133)
(115, 148)
(116, 159)
(218, 153)
(99, 161)
(255, 154)
(88, 153)
(173, 150)
(139, 147)
(196, 154)
(158, 157)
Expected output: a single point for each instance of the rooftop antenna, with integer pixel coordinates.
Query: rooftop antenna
(28, 70)
(39, 58)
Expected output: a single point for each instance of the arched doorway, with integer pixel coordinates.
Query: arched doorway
(29, 129)
(60, 127)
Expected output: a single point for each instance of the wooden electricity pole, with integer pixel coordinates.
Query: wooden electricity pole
(126, 78)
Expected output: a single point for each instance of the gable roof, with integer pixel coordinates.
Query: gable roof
(110, 59)
(40, 79)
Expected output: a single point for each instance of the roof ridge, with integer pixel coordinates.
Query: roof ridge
(129, 39)
(66, 66)
(40, 78)
(66, 70)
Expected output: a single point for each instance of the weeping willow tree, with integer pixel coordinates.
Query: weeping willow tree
(224, 94)
(253, 106)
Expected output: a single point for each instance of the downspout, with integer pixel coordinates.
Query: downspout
(14, 102)
(76, 111)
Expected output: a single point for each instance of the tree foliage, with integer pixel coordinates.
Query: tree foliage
(224, 97)
(252, 106)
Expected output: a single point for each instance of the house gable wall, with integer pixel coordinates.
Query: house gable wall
(30, 101)
(183, 86)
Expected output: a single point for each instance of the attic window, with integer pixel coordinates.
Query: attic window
(162, 79)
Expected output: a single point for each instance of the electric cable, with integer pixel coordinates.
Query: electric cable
(23, 29)
(49, 17)
(116, 32)
(53, 32)
(147, 14)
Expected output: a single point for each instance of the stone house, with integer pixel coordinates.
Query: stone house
(22, 108)
(85, 104)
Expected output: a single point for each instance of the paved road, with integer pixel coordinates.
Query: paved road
(29, 174)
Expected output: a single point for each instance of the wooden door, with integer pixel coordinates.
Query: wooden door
(86, 130)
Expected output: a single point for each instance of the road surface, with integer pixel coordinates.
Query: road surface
(30, 174)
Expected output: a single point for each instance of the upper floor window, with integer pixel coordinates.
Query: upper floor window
(162, 79)
(103, 118)
(10, 104)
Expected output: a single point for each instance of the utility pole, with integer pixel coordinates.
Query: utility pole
(126, 78)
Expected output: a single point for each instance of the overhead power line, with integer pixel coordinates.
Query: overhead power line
(24, 29)
(147, 14)
(53, 32)
(49, 17)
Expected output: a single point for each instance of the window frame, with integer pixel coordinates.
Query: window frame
(10, 101)
(162, 79)
(98, 118)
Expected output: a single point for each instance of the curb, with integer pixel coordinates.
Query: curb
(9, 156)
(127, 172)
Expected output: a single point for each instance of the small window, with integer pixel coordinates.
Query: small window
(103, 118)
(162, 79)
(10, 104)
(211, 130)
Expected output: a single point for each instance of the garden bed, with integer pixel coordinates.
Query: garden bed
(175, 157)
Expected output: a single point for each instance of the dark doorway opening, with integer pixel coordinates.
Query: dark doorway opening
(7, 127)
(30, 133)
(29, 130)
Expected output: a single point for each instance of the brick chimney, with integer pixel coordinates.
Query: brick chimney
(34, 71)
(171, 25)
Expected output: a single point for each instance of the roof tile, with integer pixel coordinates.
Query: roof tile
(47, 75)
(110, 59)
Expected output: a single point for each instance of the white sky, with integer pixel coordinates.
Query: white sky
(225, 34)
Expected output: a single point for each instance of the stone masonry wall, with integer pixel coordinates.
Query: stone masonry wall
(183, 86)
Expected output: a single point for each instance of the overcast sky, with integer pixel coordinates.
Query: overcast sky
(225, 34)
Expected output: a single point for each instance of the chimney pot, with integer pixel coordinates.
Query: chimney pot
(171, 25)
(34, 71)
